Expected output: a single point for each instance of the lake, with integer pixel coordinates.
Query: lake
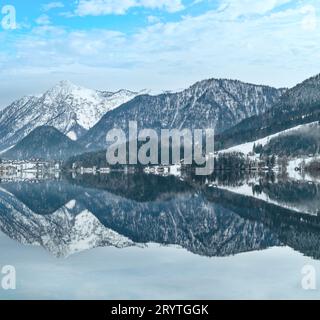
(139, 236)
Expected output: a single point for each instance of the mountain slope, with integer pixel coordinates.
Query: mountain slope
(69, 108)
(213, 103)
(69, 230)
(299, 105)
(272, 144)
(46, 143)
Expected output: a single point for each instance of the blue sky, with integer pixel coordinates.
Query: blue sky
(157, 44)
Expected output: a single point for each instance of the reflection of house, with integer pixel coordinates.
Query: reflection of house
(18, 166)
(92, 170)
(7, 168)
(164, 170)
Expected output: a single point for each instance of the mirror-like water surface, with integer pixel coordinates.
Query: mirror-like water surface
(140, 236)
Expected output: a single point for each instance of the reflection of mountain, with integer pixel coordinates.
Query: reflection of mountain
(68, 230)
(296, 229)
(186, 219)
(42, 198)
(298, 196)
(138, 187)
(123, 210)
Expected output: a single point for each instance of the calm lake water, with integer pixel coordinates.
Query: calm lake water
(139, 236)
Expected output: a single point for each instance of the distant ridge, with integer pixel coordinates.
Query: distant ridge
(299, 105)
(218, 104)
(46, 143)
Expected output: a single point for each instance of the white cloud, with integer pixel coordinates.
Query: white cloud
(53, 5)
(236, 8)
(310, 20)
(269, 48)
(107, 7)
(43, 20)
(153, 19)
(168, 5)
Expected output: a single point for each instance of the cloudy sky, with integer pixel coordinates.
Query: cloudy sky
(157, 44)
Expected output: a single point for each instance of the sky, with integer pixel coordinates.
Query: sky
(157, 45)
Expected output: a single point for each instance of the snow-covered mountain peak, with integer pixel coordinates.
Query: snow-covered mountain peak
(66, 90)
(124, 92)
(70, 108)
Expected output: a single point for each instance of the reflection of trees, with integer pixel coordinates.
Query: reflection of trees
(296, 230)
(138, 187)
(205, 220)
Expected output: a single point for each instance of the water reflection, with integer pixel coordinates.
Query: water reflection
(221, 216)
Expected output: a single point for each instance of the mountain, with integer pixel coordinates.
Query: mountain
(69, 108)
(300, 140)
(299, 105)
(45, 143)
(96, 218)
(297, 143)
(218, 104)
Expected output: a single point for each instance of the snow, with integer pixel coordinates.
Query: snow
(5, 150)
(175, 170)
(248, 146)
(65, 106)
(72, 135)
(67, 231)
(89, 105)
(87, 233)
(291, 168)
(246, 190)
(296, 163)
(71, 204)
